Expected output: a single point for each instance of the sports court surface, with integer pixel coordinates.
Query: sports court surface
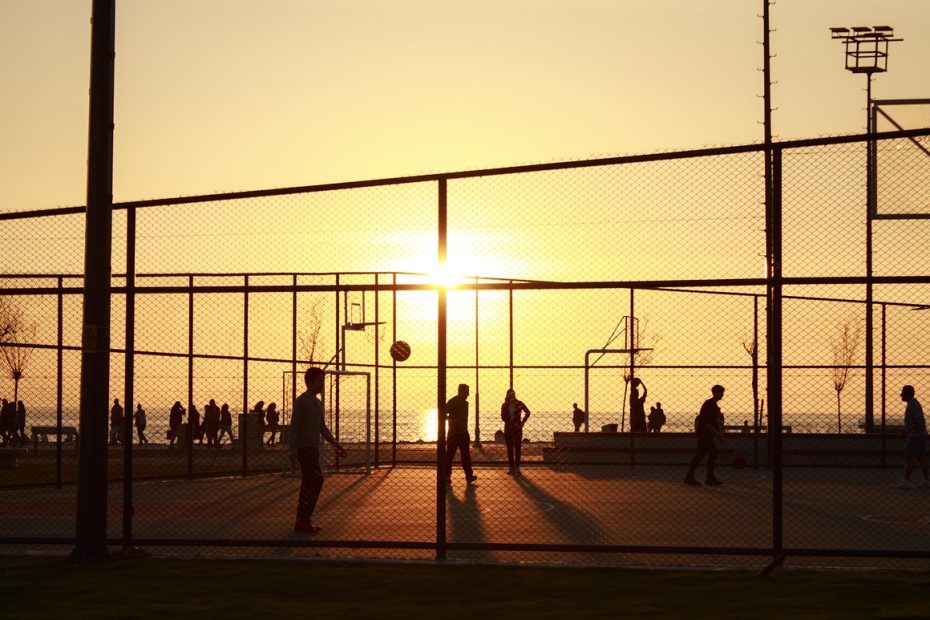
(826, 508)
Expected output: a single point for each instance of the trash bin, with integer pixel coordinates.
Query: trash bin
(250, 430)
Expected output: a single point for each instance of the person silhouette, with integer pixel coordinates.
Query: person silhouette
(116, 423)
(638, 406)
(175, 419)
(656, 418)
(577, 417)
(21, 421)
(211, 423)
(511, 410)
(272, 417)
(915, 446)
(141, 424)
(308, 424)
(225, 425)
(458, 438)
(707, 427)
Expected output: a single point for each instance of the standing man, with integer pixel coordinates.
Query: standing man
(458, 437)
(511, 412)
(577, 417)
(915, 446)
(116, 422)
(307, 426)
(707, 427)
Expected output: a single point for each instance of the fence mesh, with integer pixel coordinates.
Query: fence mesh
(232, 297)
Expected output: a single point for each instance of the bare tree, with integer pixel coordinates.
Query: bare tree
(845, 350)
(309, 340)
(11, 318)
(16, 354)
(751, 346)
(15, 337)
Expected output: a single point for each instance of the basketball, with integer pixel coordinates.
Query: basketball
(400, 351)
(739, 461)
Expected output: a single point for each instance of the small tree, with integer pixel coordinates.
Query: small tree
(845, 349)
(751, 346)
(16, 355)
(15, 336)
(309, 340)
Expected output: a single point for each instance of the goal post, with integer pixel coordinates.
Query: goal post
(347, 412)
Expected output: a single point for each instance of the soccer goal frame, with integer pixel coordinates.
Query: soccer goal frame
(333, 411)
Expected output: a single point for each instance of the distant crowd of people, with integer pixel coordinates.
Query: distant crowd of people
(12, 423)
(213, 427)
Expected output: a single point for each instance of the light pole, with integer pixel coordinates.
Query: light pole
(866, 50)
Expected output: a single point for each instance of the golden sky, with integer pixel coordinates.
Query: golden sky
(219, 95)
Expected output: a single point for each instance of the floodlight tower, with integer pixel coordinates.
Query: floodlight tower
(867, 52)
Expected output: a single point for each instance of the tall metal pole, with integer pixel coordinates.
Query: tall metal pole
(774, 357)
(477, 374)
(191, 430)
(394, 373)
(59, 397)
(91, 513)
(294, 344)
(510, 331)
(869, 318)
(377, 372)
(441, 382)
(129, 373)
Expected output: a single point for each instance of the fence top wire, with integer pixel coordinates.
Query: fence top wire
(486, 172)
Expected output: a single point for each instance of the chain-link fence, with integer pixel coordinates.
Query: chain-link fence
(609, 293)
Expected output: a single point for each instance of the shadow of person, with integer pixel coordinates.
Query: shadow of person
(574, 526)
(465, 523)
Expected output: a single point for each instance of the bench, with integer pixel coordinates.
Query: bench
(68, 433)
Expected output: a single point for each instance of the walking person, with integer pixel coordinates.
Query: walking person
(458, 438)
(21, 421)
(225, 425)
(271, 417)
(577, 417)
(141, 424)
(915, 446)
(307, 427)
(175, 419)
(116, 423)
(511, 411)
(709, 432)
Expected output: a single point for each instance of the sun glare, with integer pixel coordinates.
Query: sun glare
(429, 425)
(447, 275)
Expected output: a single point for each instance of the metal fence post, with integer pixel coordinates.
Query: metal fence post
(774, 353)
(91, 517)
(129, 359)
(441, 383)
(190, 376)
(244, 427)
(59, 382)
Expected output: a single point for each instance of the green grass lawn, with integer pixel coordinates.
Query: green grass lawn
(43, 587)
